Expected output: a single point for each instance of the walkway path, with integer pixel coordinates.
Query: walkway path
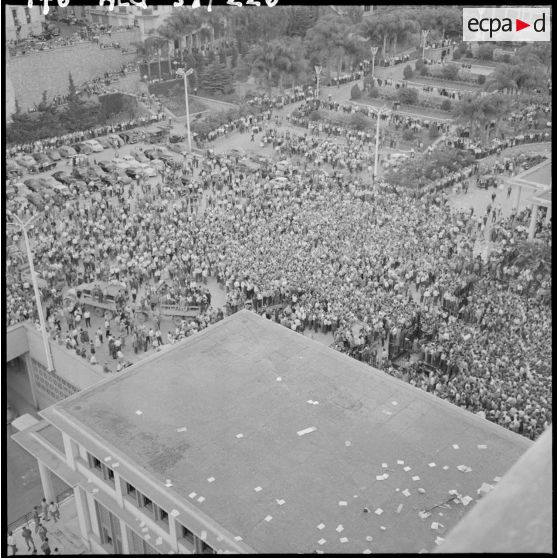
(64, 534)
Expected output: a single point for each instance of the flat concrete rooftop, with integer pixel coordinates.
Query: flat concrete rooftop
(249, 376)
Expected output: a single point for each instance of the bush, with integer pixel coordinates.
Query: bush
(424, 71)
(374, 93)
(356, 93)
(419, 65)
(359, 121)
(314, 116)
(481, 79)
(446, 105)
(433, 131)
(486, 52)
(450, 71)
(407, 72)
(407, 95)
(457, 54)
(408, 135)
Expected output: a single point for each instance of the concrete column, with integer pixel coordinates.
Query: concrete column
(533, 223)
(69, 451)
(118, 490)
(548, 214)
(80, 500)
(46, 482)
(173, 534)
(27, 363)
(124, 534)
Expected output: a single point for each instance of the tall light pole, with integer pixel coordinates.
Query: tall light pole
(185, 73)
(23, 227)
(318, 70)
(381, 111)
(373, 50)
(424, 34)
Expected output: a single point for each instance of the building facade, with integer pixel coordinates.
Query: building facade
(250, 438)
(21, 21)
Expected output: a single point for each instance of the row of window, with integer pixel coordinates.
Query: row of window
(147, 506)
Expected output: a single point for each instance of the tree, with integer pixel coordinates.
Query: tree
(433, 131)
(407, 72)
(481, 79)
(359, 121)
(407, 95)
(374, 93)
(328, 41)
(446, 105)
(276, 61)
(383, 26)
(450, 71)
(485, 52)
(356, 93)
(516, 76)
(234, 57)
(216, 78)
(300, 19)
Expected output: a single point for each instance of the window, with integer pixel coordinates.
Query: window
(163, 515)
(131, 491)
(16, 20)
(205, 548)
(105, 472)
(146, 503)
(367, 8)
(187, 534)
(27, 15)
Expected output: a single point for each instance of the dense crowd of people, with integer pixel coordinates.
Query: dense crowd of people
(310, 248)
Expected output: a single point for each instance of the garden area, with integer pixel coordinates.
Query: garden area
(426, 168)
(51, 119)
(171, 94)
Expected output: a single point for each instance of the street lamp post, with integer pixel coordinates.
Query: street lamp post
(373, 50)
(23, 227)
(185, 73)
(424, 34)
(379, 115)
(318, 70)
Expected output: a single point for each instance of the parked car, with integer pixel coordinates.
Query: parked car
(104, 141)
(139, 156)
(53, 155)
(41, 158)
(49, 165)
(176, 138)
(107, 166)
(83, 149)
(26, 161)
(94, 145)
(33, 184)
(67, 151)
(116, 139)
(177, 148)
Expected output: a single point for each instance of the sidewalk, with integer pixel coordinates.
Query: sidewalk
(64, 534)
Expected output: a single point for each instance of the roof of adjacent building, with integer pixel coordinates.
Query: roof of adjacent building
(298, 438)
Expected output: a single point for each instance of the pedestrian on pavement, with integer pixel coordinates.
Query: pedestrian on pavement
(36, 518)
(56, 551)
(54, 511)
(44, 507)
(87, 317)
(27, 537)
(12, 544)
(45, 547)
(42, 531)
